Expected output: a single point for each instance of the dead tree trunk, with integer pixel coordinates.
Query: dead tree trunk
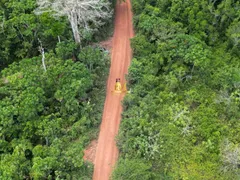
(41, 50)
(74, 25)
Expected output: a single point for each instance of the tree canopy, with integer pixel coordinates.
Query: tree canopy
(181, 119)
(46, 117)
(80, 13)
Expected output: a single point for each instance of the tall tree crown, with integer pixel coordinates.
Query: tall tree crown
(85, 14)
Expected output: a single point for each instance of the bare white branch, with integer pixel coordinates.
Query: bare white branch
(41, 50)
(79, 12)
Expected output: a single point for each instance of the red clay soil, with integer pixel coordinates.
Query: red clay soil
(107, 152)
(90, 152)
(107, 44)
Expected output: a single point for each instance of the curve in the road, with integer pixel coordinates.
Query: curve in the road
(107, 152)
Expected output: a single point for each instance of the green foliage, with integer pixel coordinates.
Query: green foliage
(46, 117)
(181, 117)
(141, 46)
(66, 50)
(21, 29)
(132, 169)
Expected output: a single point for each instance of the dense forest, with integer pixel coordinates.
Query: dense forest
(182, 117)
(53, 76)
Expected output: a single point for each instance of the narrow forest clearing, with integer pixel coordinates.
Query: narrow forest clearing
(107, 152)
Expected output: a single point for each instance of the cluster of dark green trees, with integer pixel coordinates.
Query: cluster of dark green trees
(46, 117)
(182, 118)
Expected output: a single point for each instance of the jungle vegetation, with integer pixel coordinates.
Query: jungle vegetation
(182, 117)
(46, 115)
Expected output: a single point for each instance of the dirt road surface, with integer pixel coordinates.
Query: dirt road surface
(107, 152)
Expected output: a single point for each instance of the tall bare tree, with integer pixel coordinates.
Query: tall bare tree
(41, 50)
(79, 12)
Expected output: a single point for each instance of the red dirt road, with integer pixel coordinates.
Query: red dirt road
(107, 152)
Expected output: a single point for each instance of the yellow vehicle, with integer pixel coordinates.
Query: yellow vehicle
(118, 86)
